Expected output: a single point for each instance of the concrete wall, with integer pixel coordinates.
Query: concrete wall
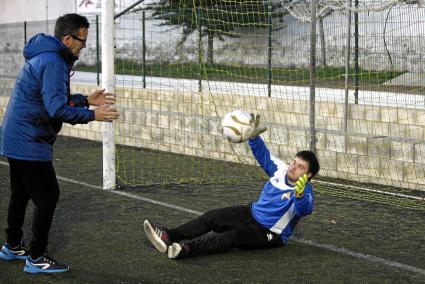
(384, 145)
(13, 11)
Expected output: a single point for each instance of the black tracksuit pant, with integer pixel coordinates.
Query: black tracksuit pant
(221, 229)
(36, 181)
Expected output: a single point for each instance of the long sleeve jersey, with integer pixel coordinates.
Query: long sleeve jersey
(277, 208)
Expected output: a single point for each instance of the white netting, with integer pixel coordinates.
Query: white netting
(301, 9)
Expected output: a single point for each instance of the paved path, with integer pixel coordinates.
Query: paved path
(322, 94)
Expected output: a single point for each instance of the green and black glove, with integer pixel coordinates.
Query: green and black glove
(300, 186)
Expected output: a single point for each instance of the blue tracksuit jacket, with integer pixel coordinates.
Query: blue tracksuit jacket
(277, 208)
(41, 101)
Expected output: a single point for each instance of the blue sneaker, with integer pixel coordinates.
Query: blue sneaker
(9, 253)
(44, 264)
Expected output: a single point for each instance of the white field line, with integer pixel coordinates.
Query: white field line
(371, 190)
(308, 242)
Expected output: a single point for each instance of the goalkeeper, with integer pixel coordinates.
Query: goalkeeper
(266, 223)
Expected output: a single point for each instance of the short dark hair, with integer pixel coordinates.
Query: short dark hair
(70, 24)
(313, 162)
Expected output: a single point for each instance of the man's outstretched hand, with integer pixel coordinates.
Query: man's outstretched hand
(100, 97)
(105, 113)
(257, 129)
(300, 186)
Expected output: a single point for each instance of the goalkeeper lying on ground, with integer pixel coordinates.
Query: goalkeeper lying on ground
(266, 223)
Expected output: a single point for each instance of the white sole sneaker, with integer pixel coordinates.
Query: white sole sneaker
(153, 237)
(174, 250)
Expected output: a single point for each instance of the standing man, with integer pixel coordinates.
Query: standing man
(40, 103)
(266, 223)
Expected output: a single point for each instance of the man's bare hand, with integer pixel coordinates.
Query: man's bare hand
(105, 113)
(100, 97)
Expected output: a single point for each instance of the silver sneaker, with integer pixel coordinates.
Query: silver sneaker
(157, 235)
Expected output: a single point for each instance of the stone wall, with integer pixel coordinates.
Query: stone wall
(383, 145)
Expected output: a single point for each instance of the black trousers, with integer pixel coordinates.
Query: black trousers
(222, 229)
(36, 181)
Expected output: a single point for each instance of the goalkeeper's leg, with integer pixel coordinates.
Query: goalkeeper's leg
(216, 220)
(250, 236)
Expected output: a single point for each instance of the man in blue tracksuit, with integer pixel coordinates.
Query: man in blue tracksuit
(266, 223)
(41, 101)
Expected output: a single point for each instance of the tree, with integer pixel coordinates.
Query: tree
(216, 18)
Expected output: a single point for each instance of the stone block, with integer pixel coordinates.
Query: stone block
(347, 163)
(389, 114)
(406, 116)
(402, 151)
(334, 123)
(333, 174)
(373, 113)
(357, 145)
(397, 130)
(151, 119)
(326, 109)
(335, 142)
(420, 117)
(139, 118)
(368, 166)
(297, 138)
(327, 160)
(164, 121)
(358, 178)
(360, 126)
(356, 112)
(419, 153)
(414, 173)
(391, 170)
(379, 147)
(287, 153)
(156, 106)
(321, 140)
(415, 132)
(128, 116)
(279, 134)
(380, 128)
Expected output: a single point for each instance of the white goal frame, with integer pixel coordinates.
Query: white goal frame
(108, 83)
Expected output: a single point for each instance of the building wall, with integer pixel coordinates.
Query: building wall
(14, 11)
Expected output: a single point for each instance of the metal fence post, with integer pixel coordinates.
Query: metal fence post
(97, 51)
(312, 111)
(356, 54)
(25, 32)
(143, 50)
(269, 69)
(198, 23)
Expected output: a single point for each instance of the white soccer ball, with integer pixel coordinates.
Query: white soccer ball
(237, 126)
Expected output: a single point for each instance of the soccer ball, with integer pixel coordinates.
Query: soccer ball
(237, 126)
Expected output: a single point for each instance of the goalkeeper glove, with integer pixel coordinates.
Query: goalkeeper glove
(300, 186)
(257, 129)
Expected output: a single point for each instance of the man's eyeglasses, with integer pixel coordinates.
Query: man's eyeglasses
(83, 41)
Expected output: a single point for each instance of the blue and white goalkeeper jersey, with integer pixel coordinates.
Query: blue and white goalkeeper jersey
(277, 208)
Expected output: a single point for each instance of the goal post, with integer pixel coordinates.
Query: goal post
(109, 171)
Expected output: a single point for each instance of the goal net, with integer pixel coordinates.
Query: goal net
(182, 65)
